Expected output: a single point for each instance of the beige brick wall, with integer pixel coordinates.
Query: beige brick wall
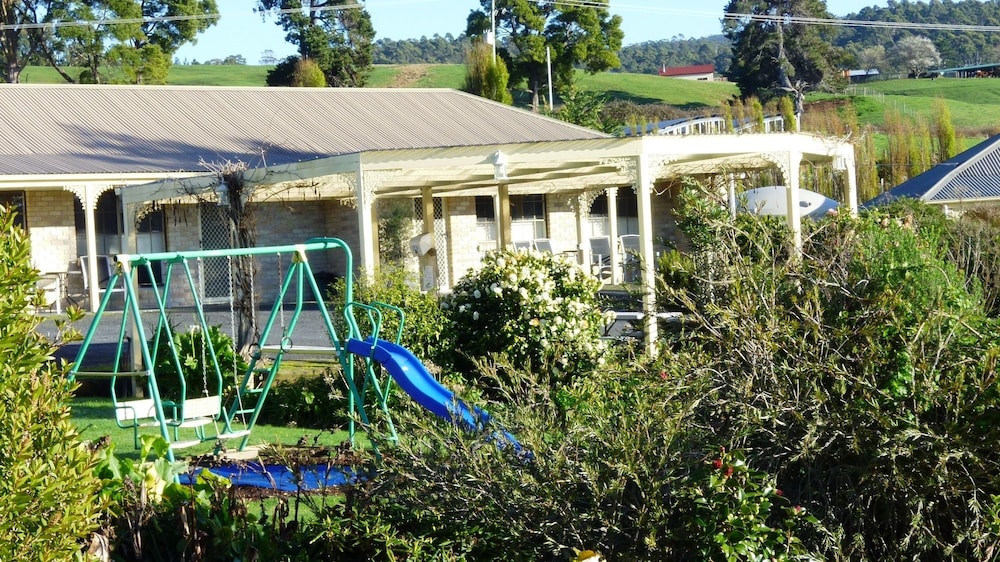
(561, 224)
(52, 229)
(465, 245)
(664, 222)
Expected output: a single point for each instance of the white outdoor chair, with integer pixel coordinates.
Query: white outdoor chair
(543, 245)
(105, 268)
(600, 257)
(631, 253)
(523, 246)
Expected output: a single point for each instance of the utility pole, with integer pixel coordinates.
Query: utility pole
(493, 28)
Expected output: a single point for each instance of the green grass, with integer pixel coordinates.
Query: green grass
(974, 104)
(95, 417)
(218, 75)
(418, 76)
(649, 88)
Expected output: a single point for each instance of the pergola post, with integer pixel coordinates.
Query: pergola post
(612, 195)
(503, 216)
(428, 261)
(791, 172)
(366, 222)
(643, 189)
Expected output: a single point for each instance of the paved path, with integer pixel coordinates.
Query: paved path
(309, 329)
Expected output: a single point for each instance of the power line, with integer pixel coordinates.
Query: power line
(836, 22)
(127, 21)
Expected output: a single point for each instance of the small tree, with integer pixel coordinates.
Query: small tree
(945, 129)
(486, 75)
(916, 54)
(871, 58)
(308, 74)
(48, 493)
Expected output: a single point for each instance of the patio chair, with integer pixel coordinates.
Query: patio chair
(600, 257)
(631, 252)
(105, 268)
(543, 245)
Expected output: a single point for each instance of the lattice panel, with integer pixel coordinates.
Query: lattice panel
(214, 272)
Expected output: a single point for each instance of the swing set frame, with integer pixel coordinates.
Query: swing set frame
(169, 416)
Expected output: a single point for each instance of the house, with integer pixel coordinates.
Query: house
(966, 180)
(98, 170)
(696, 72)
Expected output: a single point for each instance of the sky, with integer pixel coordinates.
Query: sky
(240, 31)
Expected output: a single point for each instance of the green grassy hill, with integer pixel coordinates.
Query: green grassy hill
(974, 104)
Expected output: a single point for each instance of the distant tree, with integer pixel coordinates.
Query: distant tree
(650, 56)
(916, 55)
(137, 50)
(336, 34)
(267, 58)
(485, 76)
(234, 59)
(19, 38)
(757, 63)
(871, 58)
(579, 35)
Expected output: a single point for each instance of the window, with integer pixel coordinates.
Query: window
(486, 218)
(627, 205)
(108, 221)
(15, 200)
(628, 211)
(527, 217)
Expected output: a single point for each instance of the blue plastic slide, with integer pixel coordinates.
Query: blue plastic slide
(411, 375)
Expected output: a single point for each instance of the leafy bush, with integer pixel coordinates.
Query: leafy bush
(196, 364)
(863, 375)
(538, 309)
(48, 492)
(314, 402)
(159, 519)
(423, 330)
(615, 467)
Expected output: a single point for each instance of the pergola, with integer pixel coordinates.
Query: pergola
(570, 167)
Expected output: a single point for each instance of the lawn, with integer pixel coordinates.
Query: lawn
(94, 417)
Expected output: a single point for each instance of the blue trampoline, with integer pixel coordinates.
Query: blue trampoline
(278, 477)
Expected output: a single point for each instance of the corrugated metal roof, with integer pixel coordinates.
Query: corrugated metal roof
(971, 175)
(68, 129)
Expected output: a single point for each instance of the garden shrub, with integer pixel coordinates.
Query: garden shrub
(538, 309)
(312, 402)
(158, 519)
(195, 365)
(48, 491)
(863, 375)
(616, 466)
(423, 331)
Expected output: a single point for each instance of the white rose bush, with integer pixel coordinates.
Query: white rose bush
(538, 309)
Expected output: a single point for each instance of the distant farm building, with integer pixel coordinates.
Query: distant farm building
(991, 70)
(696, 72)
(859, 76)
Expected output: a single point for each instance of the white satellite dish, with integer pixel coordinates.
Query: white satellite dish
(772, 201)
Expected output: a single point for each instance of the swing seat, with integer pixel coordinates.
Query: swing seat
(198, 412)
(135, 414)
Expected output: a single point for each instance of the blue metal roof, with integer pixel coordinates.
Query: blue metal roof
(970, 176)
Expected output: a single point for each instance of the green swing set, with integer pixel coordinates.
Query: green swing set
(230, 415)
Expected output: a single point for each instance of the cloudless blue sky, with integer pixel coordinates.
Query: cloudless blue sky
(240, 31)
